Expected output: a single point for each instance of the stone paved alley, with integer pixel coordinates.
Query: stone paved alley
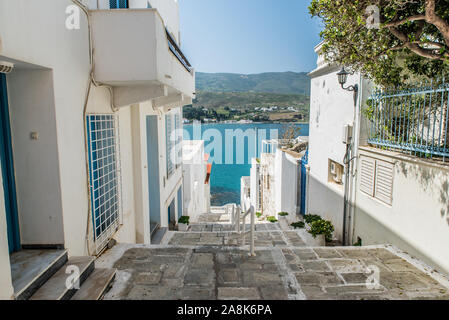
(209, 262)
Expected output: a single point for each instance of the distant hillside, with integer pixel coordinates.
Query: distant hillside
(241, 100)
(272, 82)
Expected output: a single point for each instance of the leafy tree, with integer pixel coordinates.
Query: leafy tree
(408, 41)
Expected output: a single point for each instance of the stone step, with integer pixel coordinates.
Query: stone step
(159, 235)
(96, 285)
(56, 289)
(32, 268)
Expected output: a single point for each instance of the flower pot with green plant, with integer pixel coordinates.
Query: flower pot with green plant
(282, 216)
(321, 232)
(183, 223)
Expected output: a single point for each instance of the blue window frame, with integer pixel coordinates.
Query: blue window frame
(118, 4)
(103, 176)
(169, 145)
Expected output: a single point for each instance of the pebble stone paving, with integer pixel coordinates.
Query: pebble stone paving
(210, 262)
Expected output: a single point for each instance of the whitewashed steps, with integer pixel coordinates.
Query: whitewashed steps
(32, 268)
(96, 285)
(56, 289)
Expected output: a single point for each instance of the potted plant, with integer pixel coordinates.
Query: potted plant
(183, 223)
(321, 231)
(282, 216)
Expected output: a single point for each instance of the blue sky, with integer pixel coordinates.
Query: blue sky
(248, 36)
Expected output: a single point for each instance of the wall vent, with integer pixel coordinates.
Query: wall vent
(6, 67)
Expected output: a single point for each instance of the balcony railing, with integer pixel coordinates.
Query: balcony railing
(414, 120)
(177, 52)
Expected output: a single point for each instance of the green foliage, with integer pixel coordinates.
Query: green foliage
(298, 225)
(322, 227)
(271, 219)
(283, 214)
(396, 52)
(309, 218)
(274, 82)
(184, 220)
(358, 243)
(249, 100)
(258, 214)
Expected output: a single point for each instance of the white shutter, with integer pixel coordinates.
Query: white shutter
(384, 182)
(367, 174)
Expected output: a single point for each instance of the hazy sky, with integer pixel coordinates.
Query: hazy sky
(248, 36)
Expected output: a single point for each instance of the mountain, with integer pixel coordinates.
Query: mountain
(270, 82)
(242, 100)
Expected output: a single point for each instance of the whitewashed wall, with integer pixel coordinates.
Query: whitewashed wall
(287, 183)
(254, 183)
(418, 219)
(194, 168)
(331, 108)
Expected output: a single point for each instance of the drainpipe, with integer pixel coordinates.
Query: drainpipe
(357, 137)
(350, 150)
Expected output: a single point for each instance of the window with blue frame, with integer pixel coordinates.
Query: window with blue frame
(118, 4)
(169, 145)
(103, 176)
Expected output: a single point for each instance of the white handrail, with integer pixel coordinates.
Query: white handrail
(238, 218)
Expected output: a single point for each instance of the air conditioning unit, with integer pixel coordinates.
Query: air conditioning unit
(6, 67)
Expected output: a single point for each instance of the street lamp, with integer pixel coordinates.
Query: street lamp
(343, 77)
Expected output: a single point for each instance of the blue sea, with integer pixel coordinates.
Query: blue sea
(228, 169)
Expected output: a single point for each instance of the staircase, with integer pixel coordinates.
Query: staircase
(60, 277)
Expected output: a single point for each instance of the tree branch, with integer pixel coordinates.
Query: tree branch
(423, 52)
(408, 19)
(437, 21)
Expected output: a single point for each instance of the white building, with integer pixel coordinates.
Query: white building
(274, 183)
(87, 154)
(393, 197)
(196, 179)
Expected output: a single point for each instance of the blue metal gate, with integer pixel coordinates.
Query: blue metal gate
(304, 162)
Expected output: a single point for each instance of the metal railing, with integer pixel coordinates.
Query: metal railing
(237, 219)
(413, 120)
(174, 48)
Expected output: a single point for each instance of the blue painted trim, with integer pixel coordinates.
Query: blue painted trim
(118, 4)
(180, 202)
(153, 169)
(304, 162)
(7, 162)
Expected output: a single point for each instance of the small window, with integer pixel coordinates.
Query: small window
(335, 172)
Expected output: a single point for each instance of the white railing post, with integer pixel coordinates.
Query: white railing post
(244, 227)
(251, 248)
(239, 211)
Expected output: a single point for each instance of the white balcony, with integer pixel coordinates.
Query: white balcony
(135, 54)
